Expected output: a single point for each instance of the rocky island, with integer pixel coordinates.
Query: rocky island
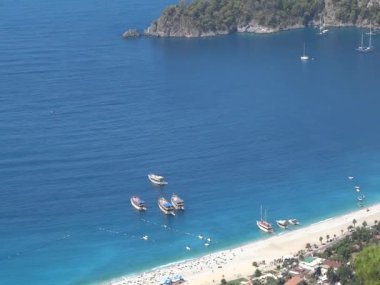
(200, 18)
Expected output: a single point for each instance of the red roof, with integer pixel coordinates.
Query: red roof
(294, 280)
(332, 263)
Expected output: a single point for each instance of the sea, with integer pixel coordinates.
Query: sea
(233, 122)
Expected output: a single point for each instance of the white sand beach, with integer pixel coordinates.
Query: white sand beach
(237, 262)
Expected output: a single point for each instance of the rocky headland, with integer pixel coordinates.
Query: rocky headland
(203, 18)
(131, 33)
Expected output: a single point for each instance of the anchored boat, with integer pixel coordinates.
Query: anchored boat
(166, 207)
(282, 223)
(293, 222)
(361, 198)
(263, 224)
(177, 202)
(157, 179)
(137, 203)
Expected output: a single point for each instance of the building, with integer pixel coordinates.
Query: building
(295, 280)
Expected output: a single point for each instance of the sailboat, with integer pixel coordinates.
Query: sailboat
(304, 57)
(322, 30)
(263, 224)
(361, 48)
(370, 46)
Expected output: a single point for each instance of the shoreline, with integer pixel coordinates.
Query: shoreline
(237, 261)
(260, 30)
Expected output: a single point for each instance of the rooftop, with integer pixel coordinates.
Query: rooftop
(294, 280)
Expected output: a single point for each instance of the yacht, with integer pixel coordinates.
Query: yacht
(157, 179)
(370, 46)
(263, 223)
(361, 198)
(293, 222)
(165, 206)
(322, 30)
(177, 202)
(304, 57)
(361, 48)
(282, 223)
(137, 203)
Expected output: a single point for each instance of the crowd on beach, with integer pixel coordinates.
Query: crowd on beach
(212, 262)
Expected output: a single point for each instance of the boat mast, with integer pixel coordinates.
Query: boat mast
(362, 41)
(304, 49)
(265, 215)
(370, 40)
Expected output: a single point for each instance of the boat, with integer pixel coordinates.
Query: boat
(361, 198)
(304, 57)
(322, 30)
(282, 223)
(157, 179)
(177, 202)
(263, 223)
(364, 49)
(166, 207)
(293, 222)
(361, 48)
(370, 46)
(137, 203)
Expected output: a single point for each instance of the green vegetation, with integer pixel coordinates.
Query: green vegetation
(226, 15)
(349, 11)
(199, 17)
(367, 265)
(359, 254)
(257, 273)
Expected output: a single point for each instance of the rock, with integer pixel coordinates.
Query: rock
(131, 33)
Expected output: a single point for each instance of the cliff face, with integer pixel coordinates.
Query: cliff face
(215, 17)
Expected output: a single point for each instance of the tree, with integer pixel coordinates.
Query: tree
(366, 265)
(334, 236)
(257, 273)
(327, 237)
(321, 239)
(341, 231)
(255, 264)
(331, 276)
(345, 275)
(223, 281)
(354, 222)
(308, 246)
(318, 271)
(364, 224)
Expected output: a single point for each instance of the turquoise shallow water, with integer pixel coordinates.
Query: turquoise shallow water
(233, 122)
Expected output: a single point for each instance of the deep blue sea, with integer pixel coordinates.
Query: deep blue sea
(233, 122)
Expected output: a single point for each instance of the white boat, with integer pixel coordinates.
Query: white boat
(157, 179)
(282, 223)
(304, 57)
(177, 202)
(293, 222)
(166, 207)
(322, 30)
(361, 198)
(367, 49)
(370, 46)
(263, 224)
(361, 48)
(137, 203)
